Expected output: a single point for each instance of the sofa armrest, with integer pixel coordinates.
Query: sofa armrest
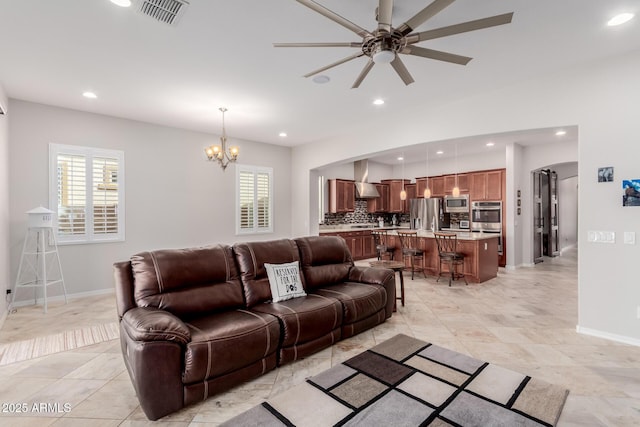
(377, 276)
(153, 324)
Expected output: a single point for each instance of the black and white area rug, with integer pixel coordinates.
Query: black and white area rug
(408, 382)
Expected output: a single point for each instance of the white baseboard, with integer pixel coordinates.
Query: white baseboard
(512, 267)
(56, 298)
(608, 336)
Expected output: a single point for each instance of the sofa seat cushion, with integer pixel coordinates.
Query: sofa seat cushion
(216, 339)
(306, 318)
(359, 300)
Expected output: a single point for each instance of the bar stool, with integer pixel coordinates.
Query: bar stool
(447, 252)
(409, 244)
(381, 240)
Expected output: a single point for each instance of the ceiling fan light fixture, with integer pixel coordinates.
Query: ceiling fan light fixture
(321, 79)
(384, 56)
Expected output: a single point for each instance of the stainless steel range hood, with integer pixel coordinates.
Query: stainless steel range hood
(364, 190)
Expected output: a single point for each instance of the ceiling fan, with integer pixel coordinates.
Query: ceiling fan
(385, 43)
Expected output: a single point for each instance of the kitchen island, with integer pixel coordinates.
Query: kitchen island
(480, 250)
(480, 254)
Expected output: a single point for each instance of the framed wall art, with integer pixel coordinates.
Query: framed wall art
(605, 174)
(631, 192)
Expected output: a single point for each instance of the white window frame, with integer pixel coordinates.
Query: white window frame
(89, 153)
(255, 229)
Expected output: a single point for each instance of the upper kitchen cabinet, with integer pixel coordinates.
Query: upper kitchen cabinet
(379, 204)
(395, 187)
(437, 186)
(486, 185)
(421, 184)
(341, 195)
(450, 182)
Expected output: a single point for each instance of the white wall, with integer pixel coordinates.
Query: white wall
(600, 99)
(174, 197)
(450, 165)
(4, 201)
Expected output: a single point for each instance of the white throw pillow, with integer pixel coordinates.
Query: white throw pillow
(284, 280)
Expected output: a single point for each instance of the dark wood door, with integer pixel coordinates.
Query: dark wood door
(538, 218)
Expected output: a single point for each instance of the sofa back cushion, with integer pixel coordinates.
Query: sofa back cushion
(325, 260)
(251, 257)
(187, 282)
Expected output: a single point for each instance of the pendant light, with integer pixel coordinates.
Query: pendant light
(403, 193)
(427, 190)
(456, 190)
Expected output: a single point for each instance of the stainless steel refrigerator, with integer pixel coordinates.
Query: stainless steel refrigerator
(425, 214)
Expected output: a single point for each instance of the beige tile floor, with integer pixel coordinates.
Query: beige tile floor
(523, 320)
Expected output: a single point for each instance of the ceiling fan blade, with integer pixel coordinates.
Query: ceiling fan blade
(402, 71)
(336, 18)
(385, 10)
(463, 27)
(363, 74)
(421, 17)
(328, 44)
(342, 61)
(436, 54)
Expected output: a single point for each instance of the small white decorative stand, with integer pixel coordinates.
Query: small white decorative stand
(39, 258)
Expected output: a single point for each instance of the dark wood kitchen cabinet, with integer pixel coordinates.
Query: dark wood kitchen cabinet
(450, 182)
(341, 195)
(396, 205)
(437, 186)
(486, 185)
(379, 204)
(412, 190)
(360, 243)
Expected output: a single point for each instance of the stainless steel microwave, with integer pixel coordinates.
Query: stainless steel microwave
(453, 204)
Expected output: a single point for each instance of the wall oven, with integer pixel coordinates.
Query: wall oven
(486, 216)
(454, 204)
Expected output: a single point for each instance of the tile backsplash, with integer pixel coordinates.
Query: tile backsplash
(360, 215)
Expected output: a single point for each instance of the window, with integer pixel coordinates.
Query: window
(86, 186)
(254, 202)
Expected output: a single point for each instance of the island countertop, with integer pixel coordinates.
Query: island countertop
(462, 235)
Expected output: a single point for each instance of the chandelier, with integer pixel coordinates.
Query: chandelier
(219, 153)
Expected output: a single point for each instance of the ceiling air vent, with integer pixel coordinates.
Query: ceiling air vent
(167, 11)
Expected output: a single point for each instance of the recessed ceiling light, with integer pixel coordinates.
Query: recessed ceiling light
(89, 95)
(620, 19)
(283, 134)
(122, 3)
(439, 152)
(400, 158)
(321, 79)
(490, 144)
(378, 101)
(561, 132)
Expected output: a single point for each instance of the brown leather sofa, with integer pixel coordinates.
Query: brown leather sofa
(196, 322)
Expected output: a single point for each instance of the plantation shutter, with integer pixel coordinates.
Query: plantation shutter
(247, 194)
(105, 195)
(87, 187)
(254, 199)
(262, 187)
(72, 194)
